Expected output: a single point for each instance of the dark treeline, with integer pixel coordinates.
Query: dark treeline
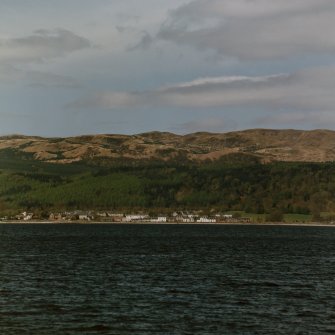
(236, 185)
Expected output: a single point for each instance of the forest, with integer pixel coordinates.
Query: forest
(231, 184)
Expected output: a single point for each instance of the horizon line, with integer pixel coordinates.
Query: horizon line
(166, 132)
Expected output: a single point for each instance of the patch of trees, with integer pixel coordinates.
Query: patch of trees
(235, 185)
(44, 178)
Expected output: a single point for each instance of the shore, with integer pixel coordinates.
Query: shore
(303, 224)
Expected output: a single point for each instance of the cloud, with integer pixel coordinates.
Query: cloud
(16, 54)
(253, 29)
(42, 45)
(311, 89)
(200, 93)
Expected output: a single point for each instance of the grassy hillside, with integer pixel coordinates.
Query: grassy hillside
(266, 145)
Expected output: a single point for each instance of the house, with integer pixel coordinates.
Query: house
(159, 219)
(187, 220)
(25, 216)
(112, 218)
(130, 218)
(184, 218)
(84, 217)
(205, 219)
(114, 215)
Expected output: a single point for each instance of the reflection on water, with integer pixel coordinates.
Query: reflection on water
(114, 279)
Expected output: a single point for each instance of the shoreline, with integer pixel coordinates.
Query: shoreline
(293, 224)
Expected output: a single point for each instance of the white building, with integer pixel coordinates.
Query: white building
(84, 217)
(130, 218)
(159, 219)
(206, 220)
(187, 220)
(25, 216)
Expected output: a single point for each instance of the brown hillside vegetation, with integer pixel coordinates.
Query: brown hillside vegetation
(267, 145)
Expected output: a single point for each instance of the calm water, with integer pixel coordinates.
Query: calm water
(114, 279)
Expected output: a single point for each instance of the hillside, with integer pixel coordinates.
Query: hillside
(264, 145)
(255, 171)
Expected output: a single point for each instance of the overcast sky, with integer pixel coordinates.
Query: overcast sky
(70, 67)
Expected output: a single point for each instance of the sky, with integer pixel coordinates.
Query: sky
(70, 67)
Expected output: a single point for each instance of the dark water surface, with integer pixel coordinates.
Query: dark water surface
(166, 279)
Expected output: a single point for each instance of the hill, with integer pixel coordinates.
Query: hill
(255, 171)
(261, 144)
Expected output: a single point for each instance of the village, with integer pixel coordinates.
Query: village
(111, 217)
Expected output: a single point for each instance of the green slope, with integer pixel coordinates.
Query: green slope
(232, 184)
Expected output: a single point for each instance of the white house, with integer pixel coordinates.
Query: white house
(130, 218)
(25, 216)
(206, 220)
(159, 219)
(84, 217)
(187, 220)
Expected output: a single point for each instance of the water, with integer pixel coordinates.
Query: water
(166, 279)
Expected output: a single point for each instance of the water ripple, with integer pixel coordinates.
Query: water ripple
(143, 280)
